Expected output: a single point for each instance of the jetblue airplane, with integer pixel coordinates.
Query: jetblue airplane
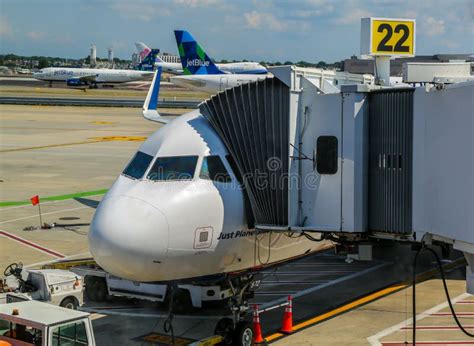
(166, 179)
(177, 214)
(93, 76)
(191, 54)
(149, 60)
(200, 72)
(189, 42)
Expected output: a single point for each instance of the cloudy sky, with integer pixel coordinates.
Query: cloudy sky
(279, 30)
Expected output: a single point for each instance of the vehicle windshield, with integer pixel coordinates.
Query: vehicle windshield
(16, 331)
(173, 168)
(137, 167)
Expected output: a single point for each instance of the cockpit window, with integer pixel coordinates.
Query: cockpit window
(137, 167)
(173, 168)
(213, 169)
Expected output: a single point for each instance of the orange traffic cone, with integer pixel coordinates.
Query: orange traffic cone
(287, 325)
(257, 329)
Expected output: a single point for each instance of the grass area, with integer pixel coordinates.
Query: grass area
(56, 198)
(7, 90)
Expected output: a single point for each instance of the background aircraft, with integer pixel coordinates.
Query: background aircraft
(171, 67)
(194, 59)
(94, 76)
(200, 72)
(189, 50)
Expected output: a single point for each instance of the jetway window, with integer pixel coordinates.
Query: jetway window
(173, 168)
(213, 169)
(326, 155)
(139, 164)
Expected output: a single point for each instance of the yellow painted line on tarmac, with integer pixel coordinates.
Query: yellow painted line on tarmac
(120, 138)
(50, 146)
(91, 140)
(103, 122)
(364, 300)
(341, 309)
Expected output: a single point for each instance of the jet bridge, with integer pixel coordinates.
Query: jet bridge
(257, 122)
(324, 151)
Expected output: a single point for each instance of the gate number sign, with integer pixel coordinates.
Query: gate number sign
(386, 36)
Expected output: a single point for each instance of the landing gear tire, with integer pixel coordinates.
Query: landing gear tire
(96, 289)
(225, 328)
(69, 303)
(243, 335)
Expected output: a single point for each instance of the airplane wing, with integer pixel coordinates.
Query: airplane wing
(150, 107)
(87, 202)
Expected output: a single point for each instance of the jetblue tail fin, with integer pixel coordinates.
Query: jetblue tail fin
(193, 58)
(148, 63)
(150, 107)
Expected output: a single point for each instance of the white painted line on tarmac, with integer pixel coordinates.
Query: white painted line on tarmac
(327, 265)
(306, 273)
(459, 314)
(328, 284)
(32, 245)
(138, 314)
(292, 282)
(42, 214)
(269, 294)
(374, 340)
(441, 327)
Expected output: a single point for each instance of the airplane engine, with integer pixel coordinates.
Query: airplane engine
(74, 82)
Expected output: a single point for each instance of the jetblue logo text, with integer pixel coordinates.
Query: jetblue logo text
(197, 62)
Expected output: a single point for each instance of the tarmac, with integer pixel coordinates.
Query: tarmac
(69, 156)
(60, 153)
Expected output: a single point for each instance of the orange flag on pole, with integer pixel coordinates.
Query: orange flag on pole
(35, 200)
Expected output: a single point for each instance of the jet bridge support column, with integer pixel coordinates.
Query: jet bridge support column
(469, 272)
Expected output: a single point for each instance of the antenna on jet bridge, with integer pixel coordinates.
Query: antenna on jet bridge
(150, 107)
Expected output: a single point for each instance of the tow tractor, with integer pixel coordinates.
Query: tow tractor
(58, 287)
(37, 323)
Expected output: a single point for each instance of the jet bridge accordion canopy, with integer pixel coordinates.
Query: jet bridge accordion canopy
(253, 121)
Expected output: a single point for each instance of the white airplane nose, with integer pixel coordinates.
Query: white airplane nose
(129, 237)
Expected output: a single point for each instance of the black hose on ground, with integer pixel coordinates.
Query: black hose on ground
(441, 270)
(168, 325)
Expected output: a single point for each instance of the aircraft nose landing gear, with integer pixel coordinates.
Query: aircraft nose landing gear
(236, 330)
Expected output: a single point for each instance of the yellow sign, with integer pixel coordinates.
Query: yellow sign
(393, 37)
(388, 36)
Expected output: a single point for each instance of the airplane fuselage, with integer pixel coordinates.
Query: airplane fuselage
(243, 68)
(228, 68)
(95, 75)
(216, 83)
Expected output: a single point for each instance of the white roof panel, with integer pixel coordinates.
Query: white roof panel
(38, 314)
